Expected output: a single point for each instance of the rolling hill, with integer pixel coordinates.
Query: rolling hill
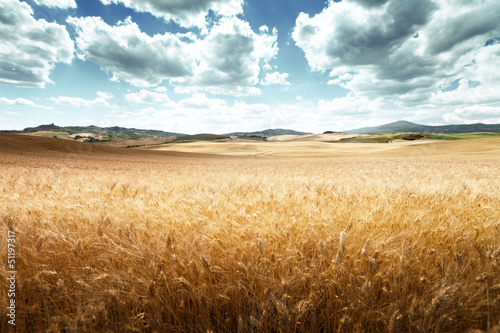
(100, 133)
(107, 134)
(407, 127)
(269, 132)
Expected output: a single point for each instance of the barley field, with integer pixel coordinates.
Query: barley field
(162, 242)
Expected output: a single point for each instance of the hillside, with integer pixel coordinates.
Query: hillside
(121, 136)
(201, 137)
(95, 133)
(406, 127)
(29, 148)
(19, 144)
(269, 132)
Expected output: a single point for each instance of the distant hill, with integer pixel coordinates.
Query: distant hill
(269, 132)
(105, 133)
(406, 127)
(201, 137)
(122, 133)
(33, 147)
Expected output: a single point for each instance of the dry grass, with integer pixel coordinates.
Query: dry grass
(185, 244)
(474, 148)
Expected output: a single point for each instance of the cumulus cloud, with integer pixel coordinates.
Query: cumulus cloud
(197, 113)
(226, 61)
(148, 97)
(186, 13)
(276, 78)
(349, 106)
(129, 54)
(230, 59)
(474, 114)
(63, 4)
(30, 48)
(161, 89)
(18, 102)
(101, 100)
(407, 52)
(202, 102)
(347, 34)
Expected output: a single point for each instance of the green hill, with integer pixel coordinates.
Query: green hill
(105, 133)
(409, 127)
(269, 132)
(201, 137)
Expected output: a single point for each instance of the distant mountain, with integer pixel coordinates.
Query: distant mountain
(269, 132)
(407, 127)
(107, 133)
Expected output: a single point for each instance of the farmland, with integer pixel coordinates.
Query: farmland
(263, 237)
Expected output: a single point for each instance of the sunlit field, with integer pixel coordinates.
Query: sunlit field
(469, 149)
(160, 242)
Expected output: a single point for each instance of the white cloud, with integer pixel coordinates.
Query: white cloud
(129, 54)
(101, 100)
(148, 97)
(63, 4)
(202, 102)
(161, 89)
(200, 113)
(347, 34)
(276, 78)
(342, 79)
(18, 102)
(406, 52)
(474, 114)
(227, 61)
(185, 13)
(13, 113)
(349, 105)
(30, 48)
(230, 59)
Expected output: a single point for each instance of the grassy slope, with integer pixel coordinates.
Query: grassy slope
(59, 135)
(201, 137)
(387, 137)
(106, 133)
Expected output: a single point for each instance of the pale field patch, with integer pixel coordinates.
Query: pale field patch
(419, 149)
(313, 137)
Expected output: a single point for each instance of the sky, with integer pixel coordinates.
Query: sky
(219, 66)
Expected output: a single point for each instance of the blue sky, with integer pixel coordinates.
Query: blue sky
(241, 65)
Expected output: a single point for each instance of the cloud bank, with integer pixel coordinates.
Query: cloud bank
(410, 53)
(226, 61)
(30, 48)
(186, 13)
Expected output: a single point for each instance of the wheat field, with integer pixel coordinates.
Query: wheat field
(187, 243)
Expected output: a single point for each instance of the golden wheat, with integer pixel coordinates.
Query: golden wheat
(249, 244)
